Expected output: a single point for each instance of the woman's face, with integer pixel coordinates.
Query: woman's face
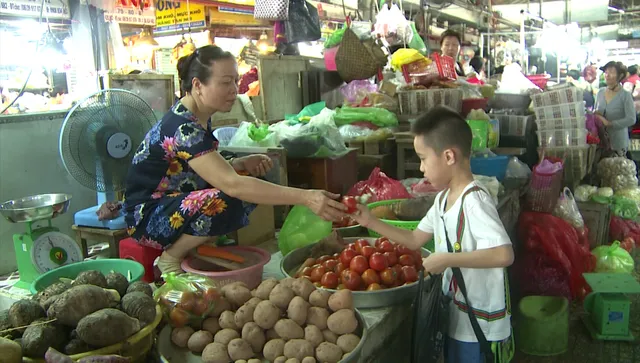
(611, 76)
(451, 47)
(220, 91)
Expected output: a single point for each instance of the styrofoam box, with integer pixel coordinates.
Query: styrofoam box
(558, 97)
(569, 110)
(560, 138)
(562, 123)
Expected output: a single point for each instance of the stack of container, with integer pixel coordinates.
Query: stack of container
(561, 120)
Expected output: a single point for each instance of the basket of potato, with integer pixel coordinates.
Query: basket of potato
(286, 321)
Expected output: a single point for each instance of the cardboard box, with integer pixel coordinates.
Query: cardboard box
(261, 227)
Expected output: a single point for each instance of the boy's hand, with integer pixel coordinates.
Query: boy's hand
(363, 216)
(436, 263)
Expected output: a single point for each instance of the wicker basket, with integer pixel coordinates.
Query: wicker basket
(544, 190)
(415, 102)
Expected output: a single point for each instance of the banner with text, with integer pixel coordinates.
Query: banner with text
(131, 14)
(233, 16)
(174, 15)
(53, 9)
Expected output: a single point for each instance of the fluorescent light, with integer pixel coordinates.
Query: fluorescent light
(616, 9)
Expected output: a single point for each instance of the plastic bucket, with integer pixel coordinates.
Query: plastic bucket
(330, 58)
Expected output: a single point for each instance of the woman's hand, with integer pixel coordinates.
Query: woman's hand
(256, 165)
(602, 119)
(325, 206)
(363, 216)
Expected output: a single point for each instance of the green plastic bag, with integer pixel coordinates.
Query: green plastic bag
(307, 112)
(301, 228)
(258, 133)
(624, 208)
(613, 259)
(480, 132)
(416, 41)
(378, 116)
(335, 38)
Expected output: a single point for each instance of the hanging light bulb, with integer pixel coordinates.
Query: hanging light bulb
(263, 42)
(144, 46)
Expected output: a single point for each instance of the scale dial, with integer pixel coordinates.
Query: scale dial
(54, 249)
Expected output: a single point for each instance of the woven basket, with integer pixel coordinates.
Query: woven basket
(358, 60)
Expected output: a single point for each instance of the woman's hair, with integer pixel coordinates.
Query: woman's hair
(620, 68)
(574, 74)
(633, 70)
(197, 65)
(476, 63)
(450, 33)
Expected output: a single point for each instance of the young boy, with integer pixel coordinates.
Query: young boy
(480, 245)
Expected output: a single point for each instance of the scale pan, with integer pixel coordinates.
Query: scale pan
(35, 207)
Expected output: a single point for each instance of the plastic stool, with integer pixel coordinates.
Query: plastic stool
(145, 255)
(543, 325)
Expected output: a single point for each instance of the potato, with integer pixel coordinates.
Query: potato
(238, 295)
(199, 340)
(140, 286)
(318, 317)
(328, 352)
(254, 360)
(330, 336)
(265, 288)
(227, 320)
(227, 287)
(240, 361)
(11, 351)
(281, 296)
(38, 337)
(240, 349)
(281, 359)
(219, 306)
(224, 336)
(254, 301)
(320, 298)
(91, 277)
(79, 301)
(341, 299)
(266, 314)
(308, 360)
(346, 355)
(342, 322)
(292, 360)
(253, 334)
(215, 353)
(97, 329)
(313, 335)
(287, 281)
(271, 334)
(211, 325)
(298, 348)
(180, 336)
(303, 287)
(348, 342)
(297, 310)
(287, 329)
(117, 281)
(244, 315)
(273, 349)
(24, 312)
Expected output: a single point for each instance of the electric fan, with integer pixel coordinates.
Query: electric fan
(97, 141)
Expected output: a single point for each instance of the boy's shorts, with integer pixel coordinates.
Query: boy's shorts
(456, 351)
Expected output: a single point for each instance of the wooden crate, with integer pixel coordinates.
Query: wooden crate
(596, 217)
(374, 147)
(334, 175)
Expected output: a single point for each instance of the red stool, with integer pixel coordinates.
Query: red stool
(145, 255)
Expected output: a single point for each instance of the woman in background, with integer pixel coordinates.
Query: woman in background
(450, 43)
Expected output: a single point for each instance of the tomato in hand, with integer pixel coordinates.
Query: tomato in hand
(409, 274)
(317, 273)
(346, 256)
(392, 258)
(370, 276)
(378, 261)
(330, 280)
(359, 265)
(351, 203)
(374, 286)
(386, 246)
(367, 251)
(330, 265)
(407, 260)
(351, 280)
(388, 277)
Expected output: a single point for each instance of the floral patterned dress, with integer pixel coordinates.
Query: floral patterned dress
(165, 198)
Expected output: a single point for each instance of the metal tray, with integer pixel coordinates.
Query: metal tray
(35, 207)
(169, 353)
(361, 299)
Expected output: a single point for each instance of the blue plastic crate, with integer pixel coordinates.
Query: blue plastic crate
(490, 166)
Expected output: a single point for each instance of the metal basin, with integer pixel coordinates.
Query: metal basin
(351, 231)
(510, 101)
(35, 207)
(361, 299)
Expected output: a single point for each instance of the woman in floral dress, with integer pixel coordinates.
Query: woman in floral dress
(181, 192)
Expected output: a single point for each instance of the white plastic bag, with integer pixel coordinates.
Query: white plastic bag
(516, 169)
(513, 81)
(393, 26)
(567, 209)
(242, 138)
(584, 192)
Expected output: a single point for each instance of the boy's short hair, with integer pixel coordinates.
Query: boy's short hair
(442, 128)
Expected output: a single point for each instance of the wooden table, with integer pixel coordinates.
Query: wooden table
(112, 236)
(333, 175)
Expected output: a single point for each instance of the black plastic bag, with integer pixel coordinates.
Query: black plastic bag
(431, 318)
(303, 24)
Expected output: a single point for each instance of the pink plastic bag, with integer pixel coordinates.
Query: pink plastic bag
(380, 187)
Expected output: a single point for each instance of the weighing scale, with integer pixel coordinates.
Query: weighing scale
(608, 307)
(40, 248)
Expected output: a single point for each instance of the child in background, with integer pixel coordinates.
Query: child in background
(464, 215)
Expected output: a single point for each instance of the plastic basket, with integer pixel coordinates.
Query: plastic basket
(558, 97)
(513, 125)
(545, 188)
(563, 137)
(415, 102)
(409, 225)
(578, 161)
(491, 166)
(569, 110)
(224, 134)
(562, 123)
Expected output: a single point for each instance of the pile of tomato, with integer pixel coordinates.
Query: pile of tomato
(361, 266)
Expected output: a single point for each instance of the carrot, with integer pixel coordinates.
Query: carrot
(210, 251)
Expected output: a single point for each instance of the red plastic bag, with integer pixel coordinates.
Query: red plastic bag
(380, 187)
(539, 275)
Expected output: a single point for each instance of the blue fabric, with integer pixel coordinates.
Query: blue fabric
(456, 351)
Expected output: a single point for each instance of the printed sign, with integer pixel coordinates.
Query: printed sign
(173, 15)
(131, 12)
(53, 9)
